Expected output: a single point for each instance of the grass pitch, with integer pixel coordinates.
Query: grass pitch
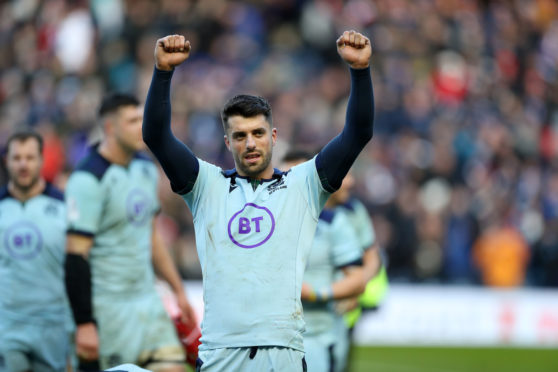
(453, 359)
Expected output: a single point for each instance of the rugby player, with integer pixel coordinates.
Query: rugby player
(35, 320)
(113, 247)
(254, 224)
(335, 248)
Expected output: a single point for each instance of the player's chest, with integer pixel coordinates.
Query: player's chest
(27, 229)
(128, 196)
(251, 216)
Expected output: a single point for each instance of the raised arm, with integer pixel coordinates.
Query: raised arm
(178, 161)
(335, 159)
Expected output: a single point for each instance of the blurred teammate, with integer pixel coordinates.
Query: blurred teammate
(113, 246)
(374, 273)
(335, 247)
(34, 312)
(254, 224)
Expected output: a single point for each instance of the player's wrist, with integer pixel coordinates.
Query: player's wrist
(359, 66)
(163, 67)
(321, 295)
(88, 324)
(325, 294)
(311, 295)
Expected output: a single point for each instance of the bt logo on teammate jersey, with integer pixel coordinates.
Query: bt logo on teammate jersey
(251, 227)
(138, 207)
(23, 240)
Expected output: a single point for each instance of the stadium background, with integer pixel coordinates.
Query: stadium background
(461, 178)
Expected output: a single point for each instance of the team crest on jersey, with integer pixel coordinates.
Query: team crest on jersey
(277, 185)
(138, 207)
(51, 209)
(252, 226)
(23, 240)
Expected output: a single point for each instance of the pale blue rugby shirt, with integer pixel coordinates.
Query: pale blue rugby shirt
(32, 251)
(253, 245)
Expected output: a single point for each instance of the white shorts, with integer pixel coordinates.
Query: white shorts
(27, 346)
(136, 329)
(251, 359)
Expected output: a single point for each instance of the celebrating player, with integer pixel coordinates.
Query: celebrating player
(113, 246)
(35, 320)
(255, 224)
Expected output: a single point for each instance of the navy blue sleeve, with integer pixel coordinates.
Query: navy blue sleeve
(336, 158)
(179, 163)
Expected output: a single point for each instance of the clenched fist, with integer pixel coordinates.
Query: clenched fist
(355, 49)
(171, 51)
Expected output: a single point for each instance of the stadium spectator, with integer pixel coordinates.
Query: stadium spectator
(35, 319)
(502, 256)
(113, 247)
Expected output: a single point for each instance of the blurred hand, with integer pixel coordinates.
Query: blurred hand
(355, 49)
(87, 341)
(187, 312)
(171, 51)
(307, 293)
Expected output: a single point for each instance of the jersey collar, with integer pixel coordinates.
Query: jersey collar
(233, 174)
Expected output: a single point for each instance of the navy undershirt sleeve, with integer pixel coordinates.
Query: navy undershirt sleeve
(179, 163)
(336, 158)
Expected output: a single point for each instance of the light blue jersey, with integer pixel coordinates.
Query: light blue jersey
(115, 205)
(35, 321)
(33, 242)
(253, 243)
(335, 246)
(360, 219)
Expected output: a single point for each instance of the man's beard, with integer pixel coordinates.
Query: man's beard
(25, 187)
(255, 171)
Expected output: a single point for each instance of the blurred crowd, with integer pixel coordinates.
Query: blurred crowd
(461, 177)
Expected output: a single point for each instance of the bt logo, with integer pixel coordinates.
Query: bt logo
(251, 227)
(23, 240)
(138, 207)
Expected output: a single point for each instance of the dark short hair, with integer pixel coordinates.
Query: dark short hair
(246, 106)
(24, 135)
(114, 101)
(297, 154)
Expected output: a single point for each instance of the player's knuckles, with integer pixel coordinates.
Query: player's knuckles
(164, 43)
(177, 41)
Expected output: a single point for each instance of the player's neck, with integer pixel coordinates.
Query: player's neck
(266, 174)
(24, 194)
(115, 153)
